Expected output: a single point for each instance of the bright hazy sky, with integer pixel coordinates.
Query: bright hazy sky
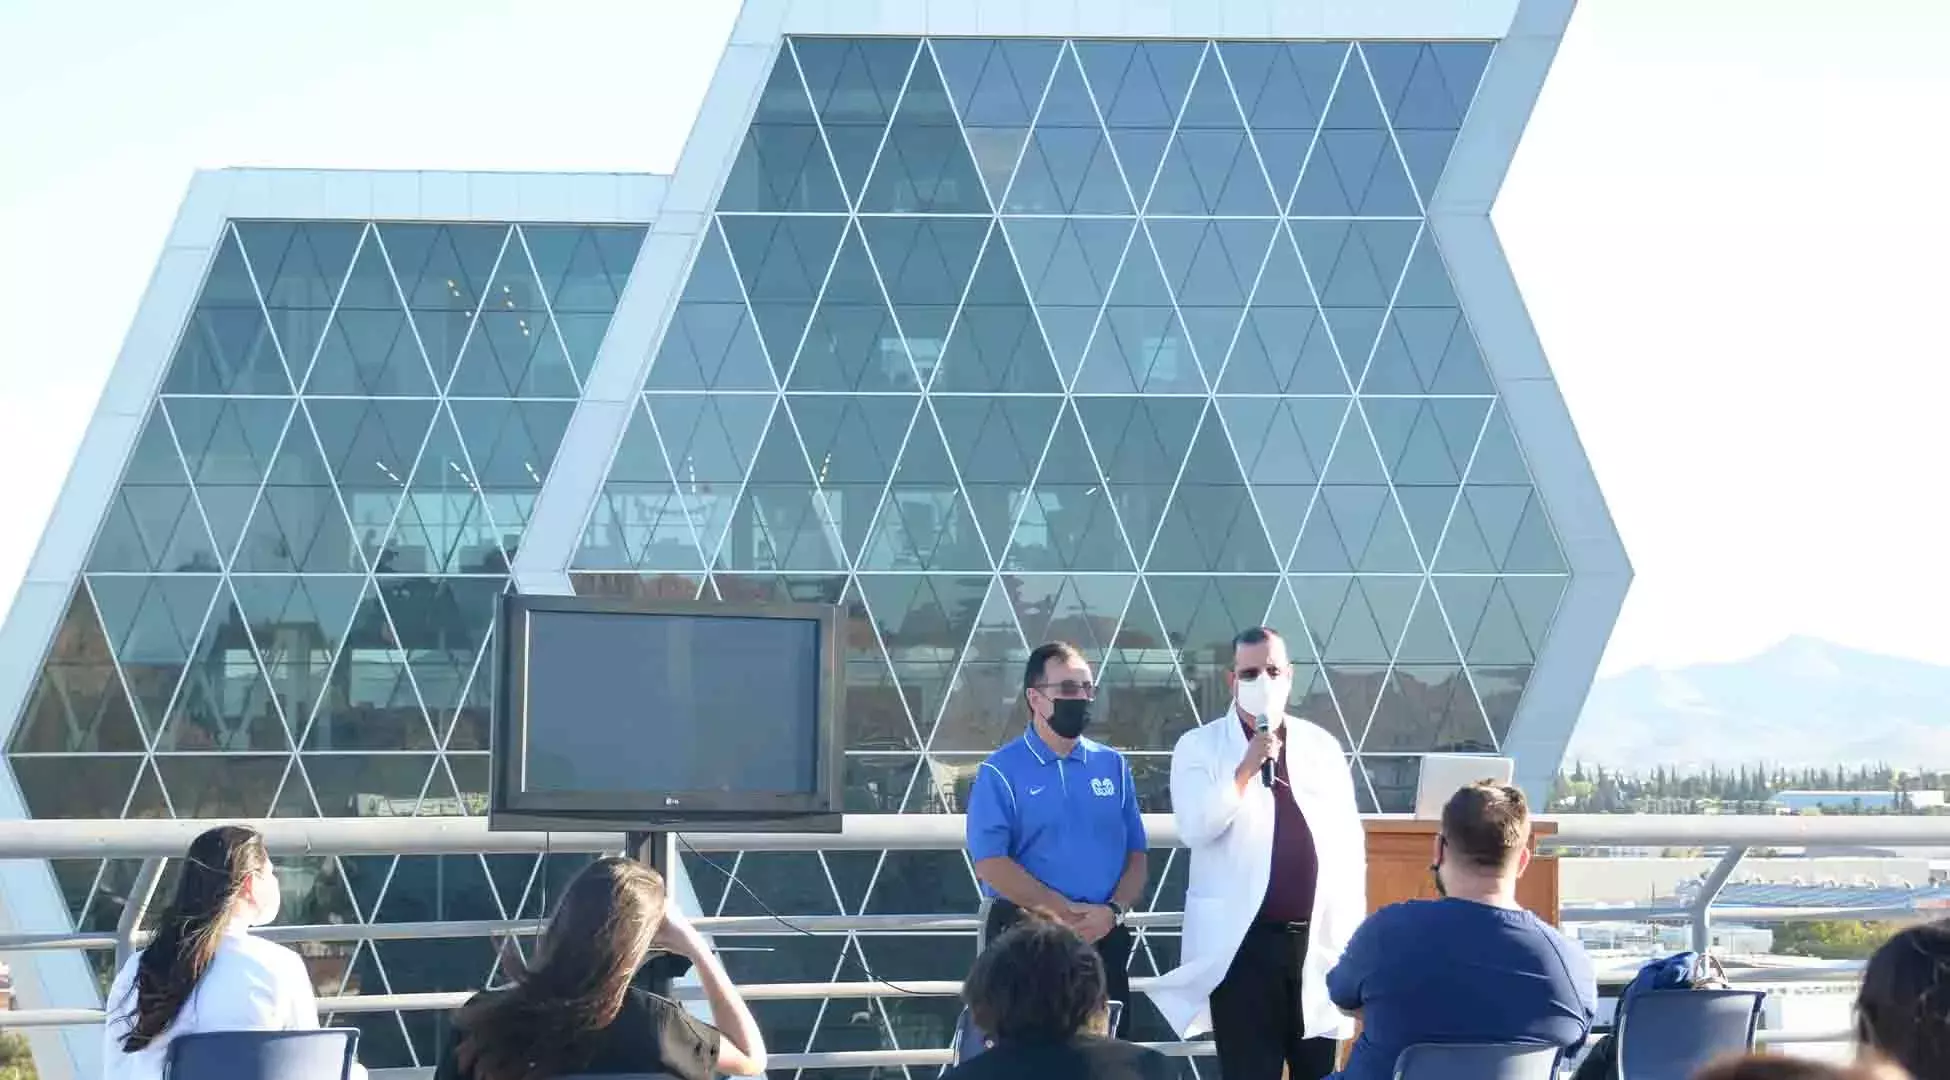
(1726, 217)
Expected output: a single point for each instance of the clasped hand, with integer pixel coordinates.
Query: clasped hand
(1091, 921)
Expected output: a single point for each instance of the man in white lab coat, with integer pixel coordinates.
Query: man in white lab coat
(1278, 878)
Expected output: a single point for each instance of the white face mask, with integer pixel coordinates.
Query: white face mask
(1265, 696)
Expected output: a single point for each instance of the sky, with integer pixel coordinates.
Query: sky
(1725, 217)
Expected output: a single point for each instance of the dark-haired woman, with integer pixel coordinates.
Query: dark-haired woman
(574, 1010)
(1902, 1011)
(1038, 991)
(203, 970)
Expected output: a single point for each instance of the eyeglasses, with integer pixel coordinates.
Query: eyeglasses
(1248, 674)
(1069, 688)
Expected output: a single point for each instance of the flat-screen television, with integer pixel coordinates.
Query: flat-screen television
(640, 716)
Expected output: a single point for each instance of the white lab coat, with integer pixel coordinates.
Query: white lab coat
(1231, 840)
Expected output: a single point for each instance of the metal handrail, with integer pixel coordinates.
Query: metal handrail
(157, 841)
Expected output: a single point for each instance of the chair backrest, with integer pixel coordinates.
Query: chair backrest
(312, 1054)
(969, 1039)
(1477, 1061)
(1667, 1033)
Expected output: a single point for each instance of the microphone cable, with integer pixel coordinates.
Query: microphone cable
(858, 950)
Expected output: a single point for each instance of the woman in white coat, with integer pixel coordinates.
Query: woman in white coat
(1278, 877)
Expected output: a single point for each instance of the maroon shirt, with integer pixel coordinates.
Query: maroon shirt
(1296, 866)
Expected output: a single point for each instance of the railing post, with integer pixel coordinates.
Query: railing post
(135, 908)
(1701, 914)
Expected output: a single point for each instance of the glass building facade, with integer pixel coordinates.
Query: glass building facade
(1130, 342)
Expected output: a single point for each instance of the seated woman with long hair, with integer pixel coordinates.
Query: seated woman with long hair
(203, 970)
(574, 1010)
(1902, 1011)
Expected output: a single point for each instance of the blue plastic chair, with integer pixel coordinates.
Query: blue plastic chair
(1668, 1033)
(312, 1054)
(1477, 1061)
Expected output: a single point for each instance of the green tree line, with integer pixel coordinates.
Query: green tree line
(1595, 789)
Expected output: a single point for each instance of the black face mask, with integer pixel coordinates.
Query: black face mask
(1069, 716)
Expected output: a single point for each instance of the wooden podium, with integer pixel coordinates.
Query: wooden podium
(1400, 850)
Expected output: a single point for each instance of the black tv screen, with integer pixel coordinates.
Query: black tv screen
(616, 714)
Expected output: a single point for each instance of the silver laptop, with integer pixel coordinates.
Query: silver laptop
(1445, 774)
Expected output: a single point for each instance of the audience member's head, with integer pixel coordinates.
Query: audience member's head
(1903, 1008)
(1782, 1067)
(225, 880)
(1484, 841)
(577, 983)
(1039, 982)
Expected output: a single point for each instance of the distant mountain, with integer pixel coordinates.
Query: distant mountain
(1802, 702)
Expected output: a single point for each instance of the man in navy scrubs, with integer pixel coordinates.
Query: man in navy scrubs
(1053, 823)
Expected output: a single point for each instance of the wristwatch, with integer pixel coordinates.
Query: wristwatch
(1117, 913)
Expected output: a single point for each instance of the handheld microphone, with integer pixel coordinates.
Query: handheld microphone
(1265, 767)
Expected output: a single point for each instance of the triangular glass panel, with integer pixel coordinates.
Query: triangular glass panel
(1426, 509)
(783, 166)
(1084, 610)
(1066, 520)
(444, 526)
(512, 445)
(926, 264)
(1355, 267)
(925, 622)
(782, 521)
(224, 702)
(712, 342)
(640, 519)
(444, 626)
(1428, 708)
(1284, 89)
(925, 522)
(1000, 441)
(227, 346)
(1534, 548)
(996, 345)
(1210, 166)
(227, 440)
(1283, 345)
(1069, 266)
(444, 271)
(995, 640)
(370, 348)
(996, 87)
(148, 802)
(1068, 166)
(1465, 547)
(367, 784)
(1500, 689)
(78, 705)
(1370, 527)
(1283, 445)
(1144, 674)
(370, 701)
(75, 786)
(1202, 614)
(297, 626)
(1211, 268)
(1140, 345)
(152, 624)
(925, 165)
(1427, 350)
(1426, 639)
(513, 350)
(369, 448)
(1337, 616)
(983, 710)
(783, 262)
(853, 445)
(300, 268)
(1212, 524)
(1355, 168)
(1536, 601)
(710, 442)
(582, 267)
(298, 524)
(207, 786)
(1140, 88)
(855, 84)
(1498, 459)
(1426, 90)
(1140, 444)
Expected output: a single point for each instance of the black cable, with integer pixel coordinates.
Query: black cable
(859, 951)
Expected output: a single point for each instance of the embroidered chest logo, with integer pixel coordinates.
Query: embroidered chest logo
(1103, 786)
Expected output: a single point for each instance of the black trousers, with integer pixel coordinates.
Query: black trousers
(1256, 1010)
(1114, 948)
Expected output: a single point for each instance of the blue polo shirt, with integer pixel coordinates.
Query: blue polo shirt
(1070, 821)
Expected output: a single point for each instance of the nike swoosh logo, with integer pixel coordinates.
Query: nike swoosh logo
(1035, 791)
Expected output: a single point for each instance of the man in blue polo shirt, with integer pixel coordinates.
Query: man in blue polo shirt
(1053, 823)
